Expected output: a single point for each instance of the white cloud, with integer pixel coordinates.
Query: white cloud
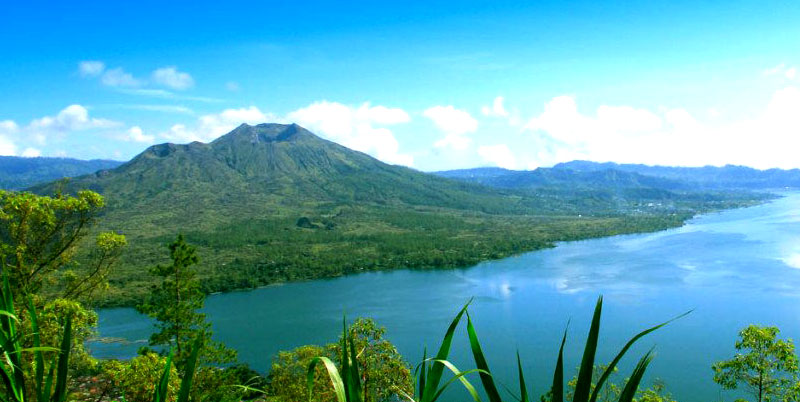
(499, 155)
(31, 153)
(211, 126)
(357, 127)
(782, 69)
(232, 86)
(136, 134)
(73, 117)
(8, 128)
(669, 136)
(91, 68)
(496, 110)
(455, 123)
(451, 120)
(172, 78)
(117, 77)
(7, 147)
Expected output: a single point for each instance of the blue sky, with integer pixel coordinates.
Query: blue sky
(433, 85)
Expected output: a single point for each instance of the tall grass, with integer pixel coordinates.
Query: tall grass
(345, 379)
(49, 388)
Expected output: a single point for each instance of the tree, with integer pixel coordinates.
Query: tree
(136, 379)
(767, 366)
(175, 305)
(40, 237)
(385, 375)
(612, 390)
(52, 269)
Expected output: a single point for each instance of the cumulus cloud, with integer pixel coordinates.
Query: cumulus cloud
(7, 129)
(361, 128)
(136, 134)
(172, 78)
(782, 69)
(91, 68)
(497, 109)
(454, 123)
(7, 148)
(668, 136)
(124, 81)
(499, 155)
(31, 153)
(211, 126)
(73, 117)
(117, 77)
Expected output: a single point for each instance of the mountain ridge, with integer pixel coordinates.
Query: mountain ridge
(272, 202)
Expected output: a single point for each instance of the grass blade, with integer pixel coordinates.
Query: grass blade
(188, 376)
(38, 356)
(480, 362)
(437, 368)
(160, 393)
(557, 390)
(622, 352)
(423, 368)
(60, 393)
(523, 390)
(333, 374)
(460, 376)
(584, 384)
(629, 392)
(354, 379)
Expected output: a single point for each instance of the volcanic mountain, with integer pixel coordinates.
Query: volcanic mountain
(274, 202)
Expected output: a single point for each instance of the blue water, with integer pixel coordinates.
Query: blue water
(733, 268)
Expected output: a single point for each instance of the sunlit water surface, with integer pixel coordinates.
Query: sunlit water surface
(733, 268)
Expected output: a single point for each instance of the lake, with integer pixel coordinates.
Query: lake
(733, 268)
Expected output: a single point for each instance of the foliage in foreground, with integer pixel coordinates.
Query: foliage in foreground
(346, 378)
(385, 373)
(175, 305)
(50, 375)
(767, 367)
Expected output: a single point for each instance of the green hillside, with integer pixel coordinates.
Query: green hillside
(271, 203)
(20, 172)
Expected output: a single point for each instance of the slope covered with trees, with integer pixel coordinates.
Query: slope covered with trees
(17, 173)
(273, 202)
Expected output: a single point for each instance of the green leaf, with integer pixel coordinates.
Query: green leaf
(435, 373)
(558, 376)
(60, 393)
(610, 369)
(458, 375)
(333, 374)
(629, 392)
(160, 393)
(480, 361)
(523, 390)
(188, 376)
(38, 356)
(584, 384)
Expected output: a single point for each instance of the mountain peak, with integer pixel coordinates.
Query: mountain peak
(266, 132)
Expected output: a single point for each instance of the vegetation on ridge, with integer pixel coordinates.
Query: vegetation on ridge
(273, 203)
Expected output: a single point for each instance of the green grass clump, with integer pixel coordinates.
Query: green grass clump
(346, 380)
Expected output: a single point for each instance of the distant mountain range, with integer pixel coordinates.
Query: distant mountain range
(17, 173)
(274, 202)
(707, 177)
(613, 176)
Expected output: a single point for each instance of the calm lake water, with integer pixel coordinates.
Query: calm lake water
(734, 268)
